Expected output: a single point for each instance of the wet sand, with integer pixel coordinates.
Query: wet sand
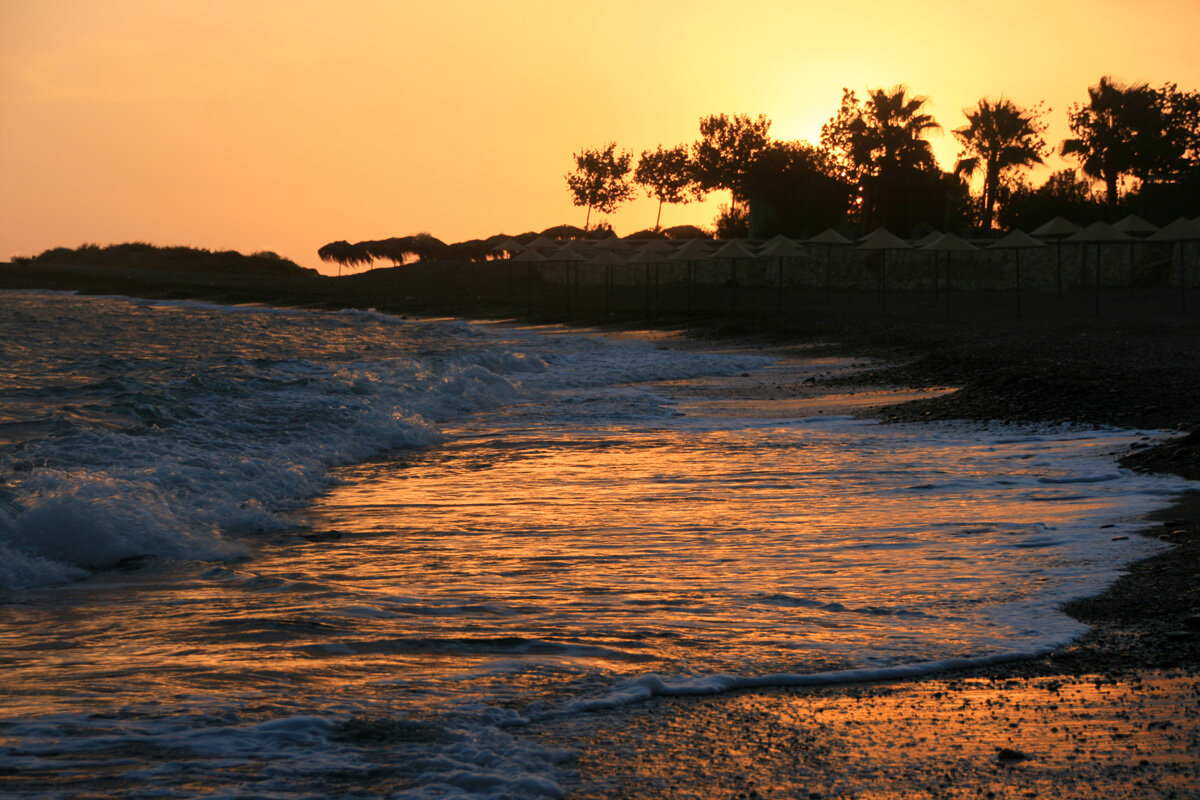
(1053, 737)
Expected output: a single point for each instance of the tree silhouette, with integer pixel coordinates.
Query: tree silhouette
(1182, 110)
(797, 188)
(1062, 194)
(726, 152)
(599, 180)
(999, 137)
(1119, 132)
(880, 143)
(666, 175)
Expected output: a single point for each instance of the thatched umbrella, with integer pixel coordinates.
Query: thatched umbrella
(1138, 229)
(1135, 226)
(1097, 233)
(693, 250)
(508, 247)
(569, 257)
(394, 249)
(1056, 230)
(530, 258)
(948, 243)
(1016, 240)
(733, 250)
(1179, 232)
(608, 259)
(882, 240)
(544, 244)
(344, 254)
(780, 248)
(612, 242)
(829, 239)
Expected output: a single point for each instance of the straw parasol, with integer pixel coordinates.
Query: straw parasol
(780, 248)
(829, 239)
(1016, 240)
(948, 243)
(1178, 232)
(690, 252)
(1056, 230)
(882, 240)
(733, 250)
(607, 258)
(544, 243)
(508, 246)
(652, 254)
(1097, 234)
(529, 257)
(568, 256)
(653, 250)
(1135, 226)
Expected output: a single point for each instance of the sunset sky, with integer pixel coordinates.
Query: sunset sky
(286, 124)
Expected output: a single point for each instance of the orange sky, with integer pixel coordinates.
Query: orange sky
(286, 124)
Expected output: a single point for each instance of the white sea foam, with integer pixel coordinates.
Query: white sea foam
(210, 421)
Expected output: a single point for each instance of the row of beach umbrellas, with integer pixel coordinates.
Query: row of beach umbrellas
(615, 251)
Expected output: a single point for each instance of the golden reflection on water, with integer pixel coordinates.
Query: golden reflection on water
(764, 549)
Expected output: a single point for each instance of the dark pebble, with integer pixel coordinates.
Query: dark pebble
(1008, 755)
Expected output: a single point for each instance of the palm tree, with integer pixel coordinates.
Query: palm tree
(999, 137)
(889, 135)
(1111, 132)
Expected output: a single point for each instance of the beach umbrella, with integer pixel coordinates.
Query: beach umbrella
(882, 240)
(544, 243)
(569, 257)
(1135, 226)
(733, 250)
(948, 243)
(653, 250)
(780, 248)
(508, 246)
(829, 239)
(1180, 231)
(612, 242)
(530, 258)
(1056, 230)
(345, 254)
(690, 252)
(1096, 234)
(1016, 240)
(652, 254)
(608, 259)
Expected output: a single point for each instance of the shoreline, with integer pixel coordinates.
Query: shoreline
(1132, 680)
(1113, 713)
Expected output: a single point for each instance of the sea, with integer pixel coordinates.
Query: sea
(283, 553)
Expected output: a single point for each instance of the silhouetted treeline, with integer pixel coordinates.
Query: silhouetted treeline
(873, 166)
(140, 255)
